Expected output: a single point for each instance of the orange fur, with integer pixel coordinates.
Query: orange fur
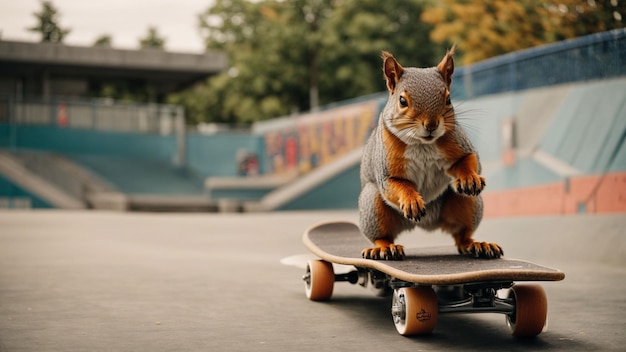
(465, 166)
(457, 218)
(389, 227)
(392, 69)
(400, 191)
(449, 148)
(395, 149)
(388, 220)
(446, 66)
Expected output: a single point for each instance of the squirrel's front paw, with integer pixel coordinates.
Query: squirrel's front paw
(413, 208)
(471, 184)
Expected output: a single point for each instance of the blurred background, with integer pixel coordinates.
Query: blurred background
(240, 106)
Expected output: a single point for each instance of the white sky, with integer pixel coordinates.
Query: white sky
(124, 20)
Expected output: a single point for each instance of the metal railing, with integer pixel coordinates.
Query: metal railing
(95, 114)
(591, 57)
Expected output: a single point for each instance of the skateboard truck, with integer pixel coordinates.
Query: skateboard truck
(351, 277)
(480, 298)
(373, 279)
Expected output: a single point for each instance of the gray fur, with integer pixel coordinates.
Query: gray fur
(423, 85)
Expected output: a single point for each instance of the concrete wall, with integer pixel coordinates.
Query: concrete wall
(569, 154)
(135, 163)
(207, 155)
(13, 196)
(550, 150)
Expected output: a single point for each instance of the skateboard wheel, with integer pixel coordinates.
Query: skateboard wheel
(531, 310)
(319, 280)
(414, 310)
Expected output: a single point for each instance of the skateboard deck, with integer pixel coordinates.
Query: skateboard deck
(430, 281)
(342, 243)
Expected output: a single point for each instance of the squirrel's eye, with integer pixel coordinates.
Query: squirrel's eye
(403, 102)
(448, 102)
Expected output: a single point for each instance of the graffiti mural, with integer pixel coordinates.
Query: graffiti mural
(315, 139)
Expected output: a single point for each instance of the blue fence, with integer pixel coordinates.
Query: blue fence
(596, 56)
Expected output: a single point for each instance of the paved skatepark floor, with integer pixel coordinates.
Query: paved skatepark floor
(106, 281)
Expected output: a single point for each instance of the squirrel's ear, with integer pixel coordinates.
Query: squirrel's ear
(446, 66)
(393, 71)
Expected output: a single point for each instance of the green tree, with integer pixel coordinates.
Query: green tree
(152, 39)
(482, 29)
(48, 24)
(123, 90)
(104, 40)
(289, 56)
(268, 75)
(354, 37)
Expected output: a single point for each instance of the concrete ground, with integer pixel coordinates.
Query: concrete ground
(104, 281)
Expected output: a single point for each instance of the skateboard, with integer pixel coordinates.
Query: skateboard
(430, 281)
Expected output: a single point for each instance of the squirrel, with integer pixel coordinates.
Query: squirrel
(419, 168)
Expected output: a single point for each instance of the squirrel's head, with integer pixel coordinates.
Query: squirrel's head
(419, 108)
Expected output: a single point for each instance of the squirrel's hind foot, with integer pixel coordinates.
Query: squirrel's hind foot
(388, 252)
(484, 250)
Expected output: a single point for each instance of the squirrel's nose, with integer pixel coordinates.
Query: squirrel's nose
(431, 125)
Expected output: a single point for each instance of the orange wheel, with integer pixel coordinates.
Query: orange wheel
(414, 310)
(319, 280)
(531, 310)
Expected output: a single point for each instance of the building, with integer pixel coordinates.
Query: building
(44, 70)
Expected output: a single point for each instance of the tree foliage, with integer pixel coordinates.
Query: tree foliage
(152, 39)
(105, 40)
(483, 29)
(292, 55)
(357, 33)
(48, 24)
(285, 54)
